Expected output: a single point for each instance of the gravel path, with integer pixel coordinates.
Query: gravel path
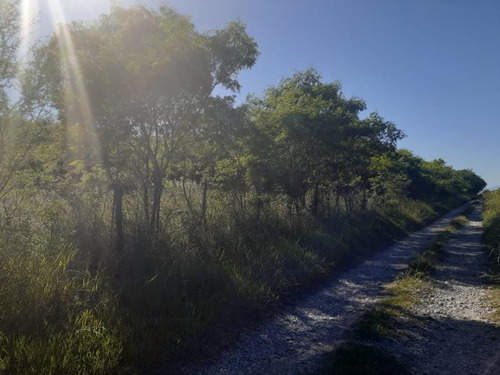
(450, 332)
(293, 342)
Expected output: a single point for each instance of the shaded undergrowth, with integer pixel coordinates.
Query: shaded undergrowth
(61, 314)
(491, 241)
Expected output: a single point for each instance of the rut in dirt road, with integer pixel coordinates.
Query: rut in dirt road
(294, 341)
(450, 332)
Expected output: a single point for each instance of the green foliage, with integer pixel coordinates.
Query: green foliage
(309, 136)
(9, 41)
(491, 240)
(88, 347)
(139, 206)
(54, 318)
(491, 224)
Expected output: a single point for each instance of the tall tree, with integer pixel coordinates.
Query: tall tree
(149, 77)
(315, 140)
(305, 122)
(9, 41)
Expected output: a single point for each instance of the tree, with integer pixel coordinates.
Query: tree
(9, 42)
(301, 120)
(313, 138)
(9, 30)
(374, 141)
(149, 78)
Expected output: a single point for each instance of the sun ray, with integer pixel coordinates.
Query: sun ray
(77, 101)
(29, 9)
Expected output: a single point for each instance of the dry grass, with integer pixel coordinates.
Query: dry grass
(494, 301)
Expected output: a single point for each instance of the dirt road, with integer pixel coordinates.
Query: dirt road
(450, 331)
(293, 342)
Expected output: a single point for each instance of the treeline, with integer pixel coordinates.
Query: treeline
(140, 205)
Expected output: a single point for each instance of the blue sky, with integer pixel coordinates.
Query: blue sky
(430, 66)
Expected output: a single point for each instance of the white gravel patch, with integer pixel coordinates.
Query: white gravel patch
(450, 331)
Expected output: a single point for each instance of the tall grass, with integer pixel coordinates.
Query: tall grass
(491, 240)
(491, 224)
(67, 308)
(55, 317)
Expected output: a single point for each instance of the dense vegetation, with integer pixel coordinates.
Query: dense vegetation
(491, 240)
(491, 235)
(140, 204)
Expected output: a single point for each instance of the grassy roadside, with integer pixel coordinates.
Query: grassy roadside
(357, 356)
(491, 241)
(341, 242)
(56, 320)
(494, 300)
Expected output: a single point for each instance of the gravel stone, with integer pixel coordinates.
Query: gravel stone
(451, 331)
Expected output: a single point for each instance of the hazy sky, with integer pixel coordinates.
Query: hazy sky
(430, 66)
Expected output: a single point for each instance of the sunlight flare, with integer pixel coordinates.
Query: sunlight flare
(29, 10)
(77, 101)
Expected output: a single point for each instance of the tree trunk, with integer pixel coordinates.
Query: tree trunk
(204, 205)
(289, 204)
(327, 201)
(297, 207)
(303, 200)
(364, 200)
(346, 201)
(145, 199)
(316, 200)
(337, 197)
(118, 218)
(185, 194)
(258, 206)
(155, 209)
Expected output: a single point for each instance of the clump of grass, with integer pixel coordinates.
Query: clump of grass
(380, 321)
(376, 322)
(55, 320)
(56, 317)
(494, 302)
(425, 263)
(461, 220)
(405, 291)
(88, 347)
